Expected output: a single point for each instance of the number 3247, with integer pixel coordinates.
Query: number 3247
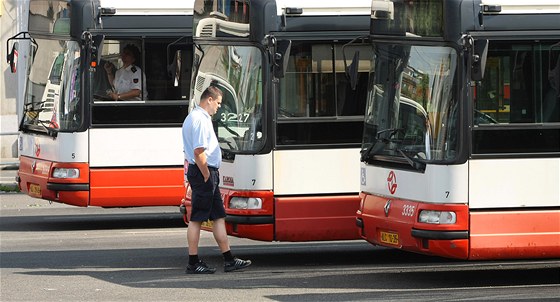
(232, 117)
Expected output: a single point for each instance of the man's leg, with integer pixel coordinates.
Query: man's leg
(220, 234)
(196, 266)
(193, 236)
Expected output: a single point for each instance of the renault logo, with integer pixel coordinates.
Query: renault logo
(387, 207)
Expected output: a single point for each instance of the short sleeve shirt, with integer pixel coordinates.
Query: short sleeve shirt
(129, 78)
(198, 132)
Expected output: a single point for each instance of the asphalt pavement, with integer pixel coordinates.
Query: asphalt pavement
(57, 252)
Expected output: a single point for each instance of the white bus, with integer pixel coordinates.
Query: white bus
(75, 146)
(461, 147)
(290, 124)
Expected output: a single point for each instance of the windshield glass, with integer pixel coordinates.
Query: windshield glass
(237, 71)
(412, 110)
(52, 95)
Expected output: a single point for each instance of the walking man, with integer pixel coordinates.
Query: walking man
(204, 156)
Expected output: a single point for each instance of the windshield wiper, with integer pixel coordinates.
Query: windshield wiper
(35, 119)
(415, 163)
(366, 153)
(386, 140)
(227, 154)
(392, 131)
(223, 124)
(27, 113)
(34, 104)
(47, 125)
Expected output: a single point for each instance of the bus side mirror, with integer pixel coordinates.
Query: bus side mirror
(478, 59)
(352, 70)
(13, 58)
(175, 57)
(281, 57)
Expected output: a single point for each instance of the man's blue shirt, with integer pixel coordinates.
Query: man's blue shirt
(198, 132)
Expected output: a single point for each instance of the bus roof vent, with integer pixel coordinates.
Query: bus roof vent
(200, 83)
(206, 28)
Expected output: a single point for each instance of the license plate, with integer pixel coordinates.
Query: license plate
(389, 238)
(208, 224)
(35, 190)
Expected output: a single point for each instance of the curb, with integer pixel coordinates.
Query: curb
(9, 167)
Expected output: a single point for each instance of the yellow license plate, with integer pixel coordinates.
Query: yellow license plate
(35, 190)
(389, 238)
(208, 224)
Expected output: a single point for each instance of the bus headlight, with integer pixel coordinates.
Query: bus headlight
(66, 173)
(437, 217)
(245, 203)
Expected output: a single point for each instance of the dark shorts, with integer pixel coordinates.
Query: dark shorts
(206, 200)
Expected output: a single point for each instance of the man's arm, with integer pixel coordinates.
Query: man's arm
(202, 163)
(130, 94)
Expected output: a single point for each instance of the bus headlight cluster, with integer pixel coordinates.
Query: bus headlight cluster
(66, 173)
(437, 217)
(245, 203)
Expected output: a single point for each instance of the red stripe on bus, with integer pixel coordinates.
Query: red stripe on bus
(136, 187)
(515, 234)
(316, 218)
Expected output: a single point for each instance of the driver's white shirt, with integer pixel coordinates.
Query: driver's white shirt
(129, 78)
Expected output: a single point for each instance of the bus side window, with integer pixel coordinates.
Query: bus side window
(156, 73)
(551, 98)
(522, 88)
(167, 72)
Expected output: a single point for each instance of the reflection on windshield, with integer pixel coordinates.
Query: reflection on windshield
(52, 99)
(237, 71)
(411, 109)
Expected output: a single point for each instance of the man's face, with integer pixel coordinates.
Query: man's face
(215, 104)
(127, 57)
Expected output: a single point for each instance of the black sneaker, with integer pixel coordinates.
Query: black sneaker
(236, 264)
(200, 268)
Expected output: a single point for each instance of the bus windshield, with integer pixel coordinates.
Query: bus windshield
(237, 71)
(52, 98)
(412, 108)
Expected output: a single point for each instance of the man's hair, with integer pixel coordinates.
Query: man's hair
(134, 51)
(211, 91)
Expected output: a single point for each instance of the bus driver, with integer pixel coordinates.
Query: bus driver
(128, 81)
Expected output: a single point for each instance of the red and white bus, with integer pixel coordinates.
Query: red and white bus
(290, 124)
(76, 146)
(461, 147)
